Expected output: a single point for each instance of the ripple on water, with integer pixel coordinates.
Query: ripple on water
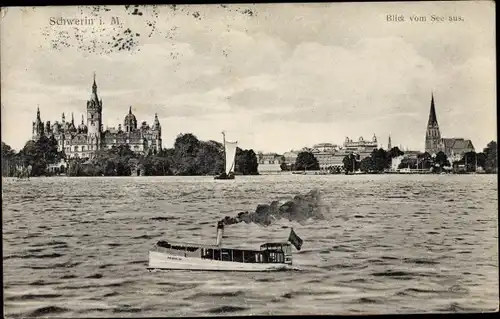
(368, 249)
(48, 311)
(225, 309)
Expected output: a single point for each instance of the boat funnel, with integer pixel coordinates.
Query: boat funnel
(220, 231)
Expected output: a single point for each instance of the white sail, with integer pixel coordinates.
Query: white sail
(230, 155)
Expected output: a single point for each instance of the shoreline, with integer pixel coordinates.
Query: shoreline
(261, 174)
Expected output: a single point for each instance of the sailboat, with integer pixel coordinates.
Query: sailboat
(229, 158)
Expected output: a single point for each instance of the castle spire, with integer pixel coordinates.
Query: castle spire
(432, 113)
(93, 96)
(94, 85)
(72, 118)
(63, 117)
(38, 112)
(130, 110)
(82, 119)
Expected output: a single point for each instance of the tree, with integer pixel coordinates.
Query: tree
(380, 160)
(440, 161)
(366, 164)
(395, 152)
(209, 159)
(469, 159)
(350, 163)
(424, 161)
(185, 151)
(39, 154)
(246, 162)
(410, 163)
(306, 161)
(491, 160)
(9, 161)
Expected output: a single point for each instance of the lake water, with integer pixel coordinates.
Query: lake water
(78, 247)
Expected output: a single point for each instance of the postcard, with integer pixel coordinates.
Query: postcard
(249, 159)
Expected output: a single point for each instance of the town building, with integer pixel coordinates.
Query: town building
(361, 145)
(83, 141)
(326, 154)
(331, 155)
(269, 163)
(268, 158)
(454, 148)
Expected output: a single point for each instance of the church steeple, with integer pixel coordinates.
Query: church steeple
(432, 136)
(72, 118)
(389, 144)
(432, 114)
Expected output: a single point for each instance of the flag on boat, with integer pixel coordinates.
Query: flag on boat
(295, 240)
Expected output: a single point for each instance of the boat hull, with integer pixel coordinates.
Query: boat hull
(161, 260)
(225, 176)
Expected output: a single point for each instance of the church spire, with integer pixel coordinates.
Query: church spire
(72, 118)
(82, 119)
(389, 144)
(38, 112)
(433, 135)
(432, 113)
(130, 110)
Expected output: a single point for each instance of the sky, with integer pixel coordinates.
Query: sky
(275, 77)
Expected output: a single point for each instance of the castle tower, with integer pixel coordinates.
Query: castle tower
(94, 119)
(157, 128)
(389, 144)
(432, 136)
(38, 127)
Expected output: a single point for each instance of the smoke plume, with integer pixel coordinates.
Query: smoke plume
(300, 209)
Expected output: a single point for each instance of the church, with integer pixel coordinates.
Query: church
(83, 140)
(454, 148)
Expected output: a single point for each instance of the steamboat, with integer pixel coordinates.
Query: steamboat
(184, 256)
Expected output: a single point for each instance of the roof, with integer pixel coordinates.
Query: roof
(457, 143)
(217, 247)
(274, 244)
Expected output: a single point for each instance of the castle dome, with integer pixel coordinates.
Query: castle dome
(82, 127)
(130, 121)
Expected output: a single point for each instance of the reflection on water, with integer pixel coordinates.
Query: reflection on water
(78, 247)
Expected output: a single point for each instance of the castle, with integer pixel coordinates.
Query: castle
(454, 148)
(84, 140)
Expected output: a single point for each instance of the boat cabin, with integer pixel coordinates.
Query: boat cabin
(268, 253)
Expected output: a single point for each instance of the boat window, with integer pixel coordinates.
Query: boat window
(226, 254)
(238, 255)
(207, 253)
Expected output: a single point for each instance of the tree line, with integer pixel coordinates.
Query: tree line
(189, 156)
